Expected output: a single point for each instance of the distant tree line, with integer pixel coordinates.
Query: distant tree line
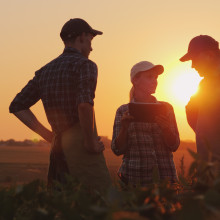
(36, 142)
(26, 142)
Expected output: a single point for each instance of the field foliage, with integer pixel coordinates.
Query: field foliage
(196, 196)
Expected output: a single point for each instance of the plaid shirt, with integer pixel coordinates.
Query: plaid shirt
(146, 150)
(62, 84)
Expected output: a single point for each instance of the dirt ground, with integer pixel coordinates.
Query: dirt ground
(23, 164)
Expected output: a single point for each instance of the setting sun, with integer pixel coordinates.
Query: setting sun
(183, 84)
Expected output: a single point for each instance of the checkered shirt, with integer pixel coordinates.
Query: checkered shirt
(62, 84)
(146, 150)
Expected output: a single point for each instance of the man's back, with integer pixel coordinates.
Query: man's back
(61, 85)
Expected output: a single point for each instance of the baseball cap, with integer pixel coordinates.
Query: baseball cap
(76, 26)
(144, 66)
(200, 44)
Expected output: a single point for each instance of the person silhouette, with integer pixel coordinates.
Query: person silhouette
(203, 109)
(146, 146)
(66, 86)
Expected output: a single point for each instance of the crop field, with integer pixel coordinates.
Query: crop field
(195, 196)
(22, 164)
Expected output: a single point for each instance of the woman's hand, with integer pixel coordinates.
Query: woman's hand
(126, 120)
(164, 124)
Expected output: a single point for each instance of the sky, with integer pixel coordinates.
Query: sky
(157, 31)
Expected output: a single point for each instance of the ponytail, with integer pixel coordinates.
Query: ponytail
(131, 94)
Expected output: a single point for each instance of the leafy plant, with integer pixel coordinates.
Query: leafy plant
(195, 196)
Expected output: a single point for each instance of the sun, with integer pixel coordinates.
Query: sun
(185, 85)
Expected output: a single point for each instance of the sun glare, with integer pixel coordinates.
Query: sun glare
(184, 84)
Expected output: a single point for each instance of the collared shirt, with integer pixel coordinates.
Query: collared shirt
(62, 85)
(146, 150)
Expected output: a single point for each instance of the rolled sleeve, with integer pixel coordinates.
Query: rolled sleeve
(116, 130)
(174, 129)
(87, 83)
(28, 96)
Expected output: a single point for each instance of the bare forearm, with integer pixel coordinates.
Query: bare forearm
(29, 119)
(86, 117)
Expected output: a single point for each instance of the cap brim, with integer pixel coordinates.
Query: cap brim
(186, 57)
(96, 32)
(159, 69)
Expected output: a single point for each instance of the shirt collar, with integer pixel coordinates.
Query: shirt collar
(153, 100)
(70, 50)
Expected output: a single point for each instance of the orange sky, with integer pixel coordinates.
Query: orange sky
(158, 31)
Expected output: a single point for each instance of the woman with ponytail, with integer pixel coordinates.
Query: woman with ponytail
(146, 146)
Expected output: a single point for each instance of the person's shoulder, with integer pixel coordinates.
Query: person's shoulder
(47, 65)
(85, 65)
(167, 104)
(123, 108)
(86, 61)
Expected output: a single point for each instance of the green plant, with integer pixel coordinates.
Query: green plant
(196, 196)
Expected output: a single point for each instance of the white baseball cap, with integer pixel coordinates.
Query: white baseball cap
(144, 66)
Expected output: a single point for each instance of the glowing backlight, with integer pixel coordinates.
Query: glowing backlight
(183, 84)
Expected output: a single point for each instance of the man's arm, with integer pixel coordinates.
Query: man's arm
(29, 119)
(20, 107)
(86, 87)
(192, 112)
(86, 118)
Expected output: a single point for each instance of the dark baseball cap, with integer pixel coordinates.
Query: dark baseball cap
(200, 44)
(76, 26)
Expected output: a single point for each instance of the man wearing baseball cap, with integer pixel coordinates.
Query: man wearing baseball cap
(66, 86)
(203, 109)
